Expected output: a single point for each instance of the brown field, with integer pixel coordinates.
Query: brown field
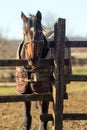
(11, 114)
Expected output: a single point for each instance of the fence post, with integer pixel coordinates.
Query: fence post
(58, 87)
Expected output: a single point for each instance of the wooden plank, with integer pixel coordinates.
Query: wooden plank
(74, 116)
(46, 117)
(45, 62)
(58, 87)
(51, 43)
(76, 43)
(74, 78)
(25, 97)
(14, 62)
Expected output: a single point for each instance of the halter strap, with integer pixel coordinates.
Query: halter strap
(28, 42)
(32, 41)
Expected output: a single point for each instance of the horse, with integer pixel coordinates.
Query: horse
(33, 47)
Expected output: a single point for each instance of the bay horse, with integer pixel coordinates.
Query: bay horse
(33, 47)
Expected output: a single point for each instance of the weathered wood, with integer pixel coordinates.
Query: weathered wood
(46, 117)
(74, 78)
(14, 62)
(46, 62)
(25, 97)
(51, 43)
(58, 87)
(76, 116)
(76, 43)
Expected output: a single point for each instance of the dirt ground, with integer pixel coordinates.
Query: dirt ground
(11, 114)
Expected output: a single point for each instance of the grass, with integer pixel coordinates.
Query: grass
(72, 87)
(77, 86)
(80, 70)
(7, 90)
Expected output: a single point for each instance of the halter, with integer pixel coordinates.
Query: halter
(36, 36)
(33, 41)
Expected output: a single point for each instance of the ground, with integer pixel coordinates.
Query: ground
(11, 114)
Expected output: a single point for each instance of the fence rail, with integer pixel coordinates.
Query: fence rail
(76, 43)
(26, 97)
(14, 62)
(69, 43)
(74, 78)
(73, 116)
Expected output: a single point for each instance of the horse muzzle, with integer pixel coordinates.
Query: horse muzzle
(33, 61)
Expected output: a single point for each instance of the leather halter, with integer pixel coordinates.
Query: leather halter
(32, 41)
(39, 31)
(30, 60)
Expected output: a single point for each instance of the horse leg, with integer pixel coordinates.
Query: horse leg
(43, 110)
(27, 118)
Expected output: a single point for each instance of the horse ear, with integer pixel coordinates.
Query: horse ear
(25, 19)
(39, 15)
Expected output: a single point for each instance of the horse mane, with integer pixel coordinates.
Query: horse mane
(19, 50)
(45, 48)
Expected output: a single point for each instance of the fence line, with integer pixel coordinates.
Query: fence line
(70, 43)
(58, 87)
(25, 97)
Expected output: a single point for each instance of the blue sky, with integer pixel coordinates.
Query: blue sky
(74, 11)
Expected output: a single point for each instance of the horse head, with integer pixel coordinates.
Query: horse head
(33, 38)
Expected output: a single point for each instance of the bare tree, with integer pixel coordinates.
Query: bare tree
(49, 21)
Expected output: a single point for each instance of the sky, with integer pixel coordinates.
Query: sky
(74, 11)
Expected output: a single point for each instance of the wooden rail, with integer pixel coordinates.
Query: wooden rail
(74, 78)
(76, 43)
(73, 116)
(26, 97)
(14, 62)
(51, 43)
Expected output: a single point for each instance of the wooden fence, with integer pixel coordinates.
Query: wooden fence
(57, 95)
